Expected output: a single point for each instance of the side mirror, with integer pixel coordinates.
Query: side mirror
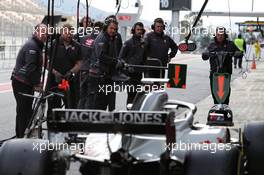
(184, 47)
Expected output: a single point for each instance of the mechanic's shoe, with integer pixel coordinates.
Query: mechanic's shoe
(220, 115)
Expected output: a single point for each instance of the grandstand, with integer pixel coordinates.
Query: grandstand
(17, 19)
(16, 16)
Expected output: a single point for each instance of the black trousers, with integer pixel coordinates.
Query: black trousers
(214, 98)
(134, 81)
(23, 106)
(105, 99)
(69, 100)
(76, 83)
(83, 89)
(88, 90)
(239, 60)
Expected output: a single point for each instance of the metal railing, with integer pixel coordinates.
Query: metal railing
(8, 55)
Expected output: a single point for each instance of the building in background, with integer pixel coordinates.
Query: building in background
(17, 19)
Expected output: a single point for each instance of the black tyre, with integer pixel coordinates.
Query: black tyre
(23, 157)
(253, 137)
(204, 162)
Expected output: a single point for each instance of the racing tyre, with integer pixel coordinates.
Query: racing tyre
(23, 157)
(253, 138)
(205, 162)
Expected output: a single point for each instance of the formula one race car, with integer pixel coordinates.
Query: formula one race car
(147, 141)
(156, 136)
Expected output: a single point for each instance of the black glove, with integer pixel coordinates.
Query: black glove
(205, 55)
(58, 76)
(69, 75)
(131, 70)
(120, 64)
(170, 58)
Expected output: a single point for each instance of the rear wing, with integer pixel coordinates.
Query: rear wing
(97, 121)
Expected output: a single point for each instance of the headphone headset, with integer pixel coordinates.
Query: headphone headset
(108, 21)
(158, 20)
(135, 25)
(222, 30)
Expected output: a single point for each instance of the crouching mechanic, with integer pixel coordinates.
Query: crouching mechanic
(221, 43)
(104, 63)
(26, 77)
(133, 52)
(66, 64)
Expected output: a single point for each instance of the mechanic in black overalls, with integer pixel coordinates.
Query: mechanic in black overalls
(85, 29)
(26, 77)
(118, 38)
(157, 44)
(87, 44)
(65, 65)
(221, 43)
(104, 63)
(133, 52)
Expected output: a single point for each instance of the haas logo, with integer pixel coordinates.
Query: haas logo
(164, 3)
(89, 42)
